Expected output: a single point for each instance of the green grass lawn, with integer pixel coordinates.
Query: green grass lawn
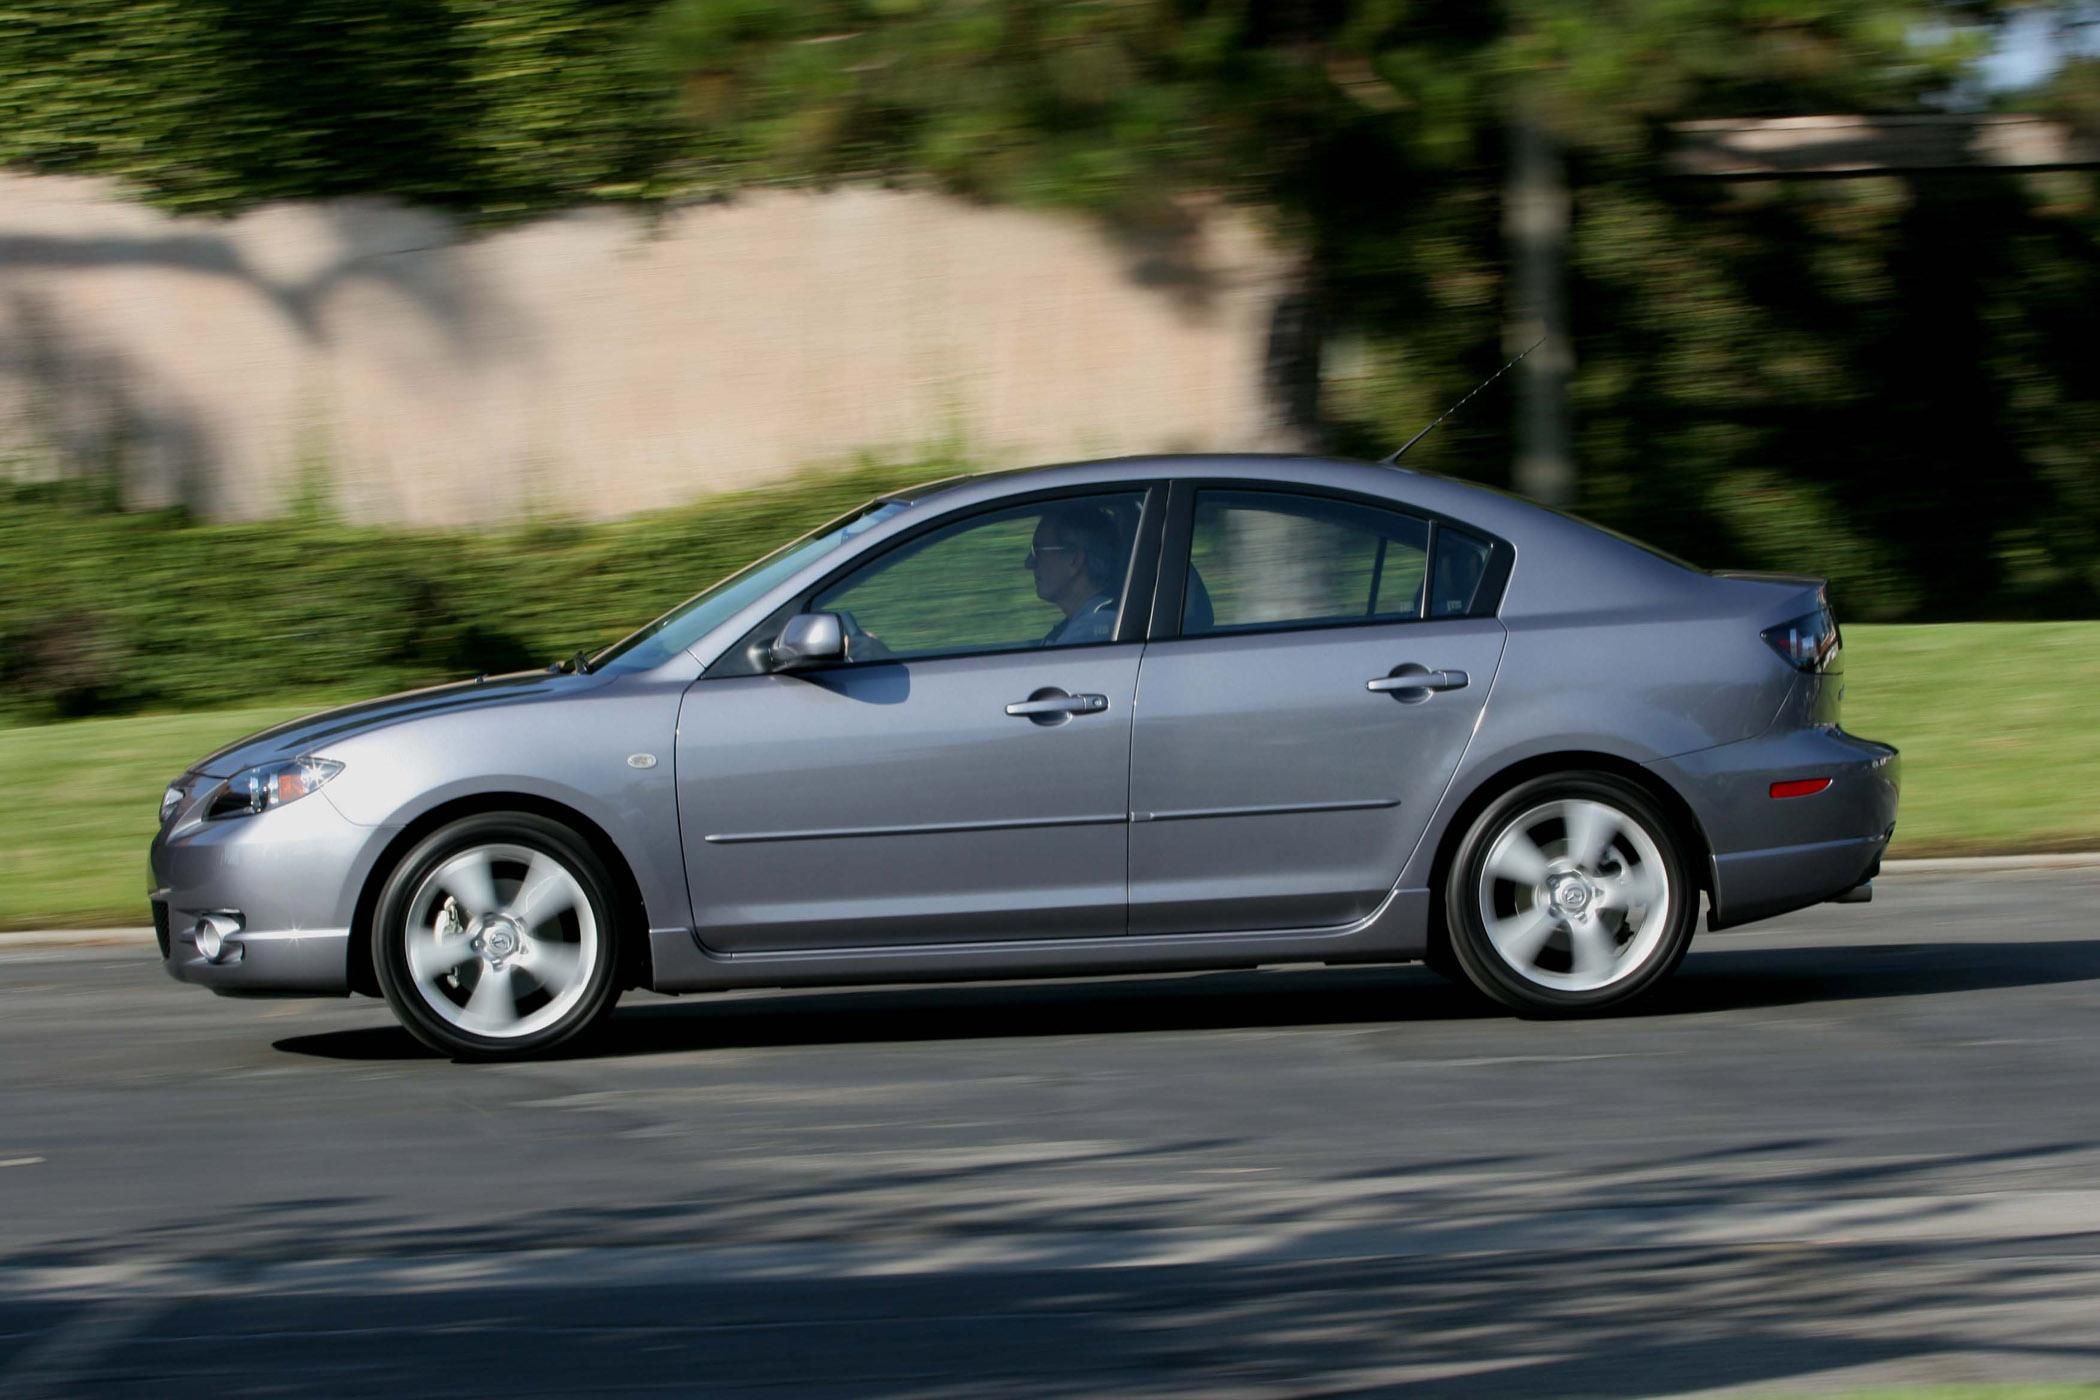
(1999, 724)
(2066, 1391)
(86, 796)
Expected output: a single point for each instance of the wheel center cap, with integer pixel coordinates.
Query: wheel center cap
(1569, 893)
(499, 940)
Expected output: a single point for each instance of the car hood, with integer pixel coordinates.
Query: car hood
(312, 734)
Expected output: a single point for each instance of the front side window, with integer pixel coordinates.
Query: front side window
(692, 620)
(1048, 574)
(1261, 559)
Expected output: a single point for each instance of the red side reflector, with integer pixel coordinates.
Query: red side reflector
(1800, 787)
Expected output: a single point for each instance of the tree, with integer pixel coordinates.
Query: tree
(489, 106)
(1885, 380)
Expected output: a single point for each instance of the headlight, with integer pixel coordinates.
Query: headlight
(169, 801)
(270, 785)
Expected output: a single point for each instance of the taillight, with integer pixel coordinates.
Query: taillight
(1807, 642)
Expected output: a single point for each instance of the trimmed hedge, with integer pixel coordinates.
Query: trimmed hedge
(104, 611)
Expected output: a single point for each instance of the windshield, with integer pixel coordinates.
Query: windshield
(700, 614)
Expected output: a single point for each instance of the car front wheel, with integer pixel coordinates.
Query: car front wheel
(1568, 894)
(496, 936)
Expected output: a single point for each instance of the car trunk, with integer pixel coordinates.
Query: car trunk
(1790, 612)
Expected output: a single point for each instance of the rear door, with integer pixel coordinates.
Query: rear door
(1295, 736)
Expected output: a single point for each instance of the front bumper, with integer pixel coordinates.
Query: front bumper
(1771, 855)
(261, 905)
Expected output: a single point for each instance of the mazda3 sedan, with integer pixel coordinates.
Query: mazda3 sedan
(1129, 716)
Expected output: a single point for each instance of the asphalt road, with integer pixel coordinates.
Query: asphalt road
(1858, 1146)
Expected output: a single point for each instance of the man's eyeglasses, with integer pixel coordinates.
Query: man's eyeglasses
(1036, 551)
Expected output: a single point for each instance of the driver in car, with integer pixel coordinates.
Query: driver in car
(1074, 563)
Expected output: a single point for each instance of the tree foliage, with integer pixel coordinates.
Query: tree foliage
(1105, 104)
(1890, 381)
(491, 105)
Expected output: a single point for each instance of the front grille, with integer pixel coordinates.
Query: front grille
(160, 927)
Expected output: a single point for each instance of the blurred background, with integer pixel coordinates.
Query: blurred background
(346, 345)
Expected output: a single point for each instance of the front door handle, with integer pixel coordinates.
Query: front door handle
(1423, 681)
(1057, 703)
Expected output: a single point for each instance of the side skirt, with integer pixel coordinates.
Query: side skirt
(1397, 931)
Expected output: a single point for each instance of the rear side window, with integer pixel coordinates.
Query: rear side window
(1461, 563)
(1265, 559)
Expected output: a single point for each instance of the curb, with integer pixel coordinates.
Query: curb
(1934, 865)
(76, 938)
(1986, 865)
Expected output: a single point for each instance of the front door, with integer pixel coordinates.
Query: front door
(965, 779)
(1283, 765)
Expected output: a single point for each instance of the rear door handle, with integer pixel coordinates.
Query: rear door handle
(1419, 680)
(1057, 705)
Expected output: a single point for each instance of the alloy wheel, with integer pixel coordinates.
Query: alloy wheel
(501, 940)
(1574, 895)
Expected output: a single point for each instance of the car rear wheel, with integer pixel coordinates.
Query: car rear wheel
(1569, 894)
(496, 937)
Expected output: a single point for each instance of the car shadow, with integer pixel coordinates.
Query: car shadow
(1725, 979)
(1711, 981)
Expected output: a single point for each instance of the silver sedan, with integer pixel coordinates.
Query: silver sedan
(1128, 716)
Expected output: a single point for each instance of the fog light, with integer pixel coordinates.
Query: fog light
(210, 935)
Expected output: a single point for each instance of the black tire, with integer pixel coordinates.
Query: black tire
(1629, 959)
(512, 836)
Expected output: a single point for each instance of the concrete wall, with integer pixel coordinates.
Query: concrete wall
(601, 362)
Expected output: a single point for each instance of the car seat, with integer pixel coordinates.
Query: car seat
(1197, 615)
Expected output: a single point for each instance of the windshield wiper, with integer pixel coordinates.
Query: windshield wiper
(579, 663)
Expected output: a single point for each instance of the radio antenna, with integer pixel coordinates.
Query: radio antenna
(1402, 452)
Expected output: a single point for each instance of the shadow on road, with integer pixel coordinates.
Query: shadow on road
(1583, 1311)
(1712, 981)
(1726, 979)
(1587, 1328)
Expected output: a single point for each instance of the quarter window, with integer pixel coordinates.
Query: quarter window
(1261, 559)
(1049, 574)
(1461, 563)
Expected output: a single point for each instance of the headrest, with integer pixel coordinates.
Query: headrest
(1196, 613)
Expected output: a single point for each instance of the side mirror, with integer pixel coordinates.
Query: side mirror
(809, 639)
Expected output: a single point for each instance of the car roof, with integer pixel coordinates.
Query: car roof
(1488, 509)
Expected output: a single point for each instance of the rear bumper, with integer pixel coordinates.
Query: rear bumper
(1753, 885)
(1772, 855)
